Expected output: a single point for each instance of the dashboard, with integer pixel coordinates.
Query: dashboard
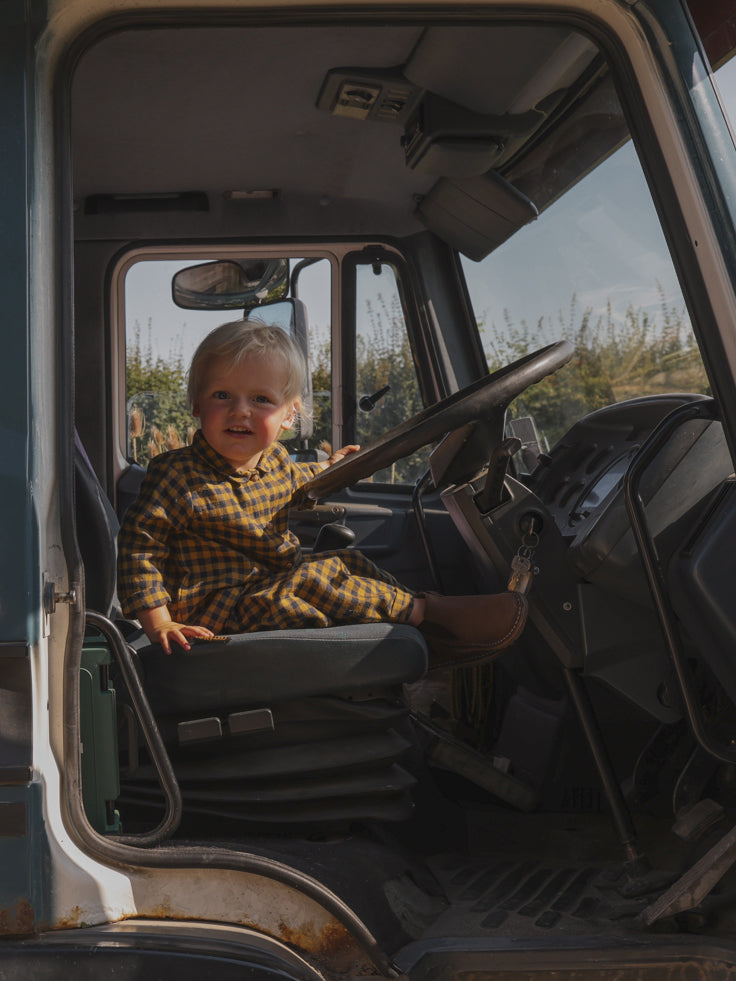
(590, 602)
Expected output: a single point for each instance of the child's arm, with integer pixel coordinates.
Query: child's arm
(302, 472)
(341, 454)
(161, 629)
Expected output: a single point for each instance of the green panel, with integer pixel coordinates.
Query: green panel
(98, 726)
(17, 585)
(24, 883)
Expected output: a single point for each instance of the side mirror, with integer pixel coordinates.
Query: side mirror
(229, 285)
(291, 316)
(257, 286)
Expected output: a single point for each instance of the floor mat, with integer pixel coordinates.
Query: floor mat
(484, 899)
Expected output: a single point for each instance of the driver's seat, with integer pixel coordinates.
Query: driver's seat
(289, 727)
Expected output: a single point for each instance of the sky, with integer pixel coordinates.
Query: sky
(603, 238)
(615, 257)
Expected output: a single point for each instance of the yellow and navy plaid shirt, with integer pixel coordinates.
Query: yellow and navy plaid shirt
(215, 547)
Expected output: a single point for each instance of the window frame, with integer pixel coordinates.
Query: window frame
(389, 255)
(182, 252)
(343, 257)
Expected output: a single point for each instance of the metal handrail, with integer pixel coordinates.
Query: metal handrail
(117, 847)
(705, 409)
(159, 755)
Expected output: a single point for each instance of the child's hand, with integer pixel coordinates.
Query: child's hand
(178, 633)
(342, 453)
(161, 629)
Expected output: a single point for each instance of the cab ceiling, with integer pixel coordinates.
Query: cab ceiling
(219, 110)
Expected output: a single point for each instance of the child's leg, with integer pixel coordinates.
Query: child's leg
(418, 611)
(467, 629)
(345, 587)
(458, 629)
(322, 591)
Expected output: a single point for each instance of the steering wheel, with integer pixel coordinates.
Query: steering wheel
(491, 393)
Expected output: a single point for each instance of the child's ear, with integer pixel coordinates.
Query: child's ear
(288, 421)
(195, 409)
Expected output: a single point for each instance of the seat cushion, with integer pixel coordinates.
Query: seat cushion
(258, 669)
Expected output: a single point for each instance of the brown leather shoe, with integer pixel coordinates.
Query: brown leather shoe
(468, 629)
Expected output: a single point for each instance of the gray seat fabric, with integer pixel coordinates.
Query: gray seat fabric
(259, 668)
(97, 528)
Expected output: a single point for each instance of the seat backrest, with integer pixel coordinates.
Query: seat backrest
(97, 529)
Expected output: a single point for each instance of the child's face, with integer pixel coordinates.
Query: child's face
(241, 408)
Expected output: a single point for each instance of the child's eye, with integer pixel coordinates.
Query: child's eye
(219, 395)
(262, 399)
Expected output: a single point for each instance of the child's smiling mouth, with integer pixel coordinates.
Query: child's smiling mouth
(239, 431)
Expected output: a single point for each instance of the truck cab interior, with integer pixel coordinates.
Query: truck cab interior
(466, 222)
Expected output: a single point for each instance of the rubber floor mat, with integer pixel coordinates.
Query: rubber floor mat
(540, 895)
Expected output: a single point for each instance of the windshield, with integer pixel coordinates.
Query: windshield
(594, 269)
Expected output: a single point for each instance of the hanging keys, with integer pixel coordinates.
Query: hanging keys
(521, 574)
(523, 569)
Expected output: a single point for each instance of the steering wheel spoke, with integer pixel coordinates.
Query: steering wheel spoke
(486, 397)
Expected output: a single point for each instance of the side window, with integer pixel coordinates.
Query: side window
(386, 381)
(313, 287)
(726, 82)
(594, 268)
(160, 339)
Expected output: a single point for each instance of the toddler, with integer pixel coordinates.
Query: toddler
(206, 549)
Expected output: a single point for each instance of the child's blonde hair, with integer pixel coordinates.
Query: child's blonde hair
(249, 338)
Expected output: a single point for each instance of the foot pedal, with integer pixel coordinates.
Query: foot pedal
(447, 753)
(691, 888)
(692, 822)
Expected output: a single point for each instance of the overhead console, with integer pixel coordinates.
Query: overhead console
(377, 95)
(482, 102)
(467, 101)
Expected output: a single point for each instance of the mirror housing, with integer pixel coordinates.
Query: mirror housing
(297, 326)
(248, 285)
(291, 316)
(229, 285)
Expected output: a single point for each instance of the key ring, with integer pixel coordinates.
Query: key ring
(530, 540)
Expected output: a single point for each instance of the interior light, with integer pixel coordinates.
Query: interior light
(256, 194)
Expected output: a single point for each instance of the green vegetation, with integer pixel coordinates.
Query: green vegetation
(383, 357)
(158, 414)
(613, 361)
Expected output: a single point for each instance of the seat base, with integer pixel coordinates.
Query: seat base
(257, 669)
(331, 756)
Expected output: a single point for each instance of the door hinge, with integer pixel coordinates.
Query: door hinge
(52, 597)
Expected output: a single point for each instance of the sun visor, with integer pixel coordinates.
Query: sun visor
(444, 139)
(498, 70)
(477, 214)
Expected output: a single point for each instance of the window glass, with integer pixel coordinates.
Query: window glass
(593, 268)
(313, 288)
(160, 339)
(387, 387)
(726, 83)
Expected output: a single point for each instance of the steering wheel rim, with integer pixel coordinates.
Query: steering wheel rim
(482, 396)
